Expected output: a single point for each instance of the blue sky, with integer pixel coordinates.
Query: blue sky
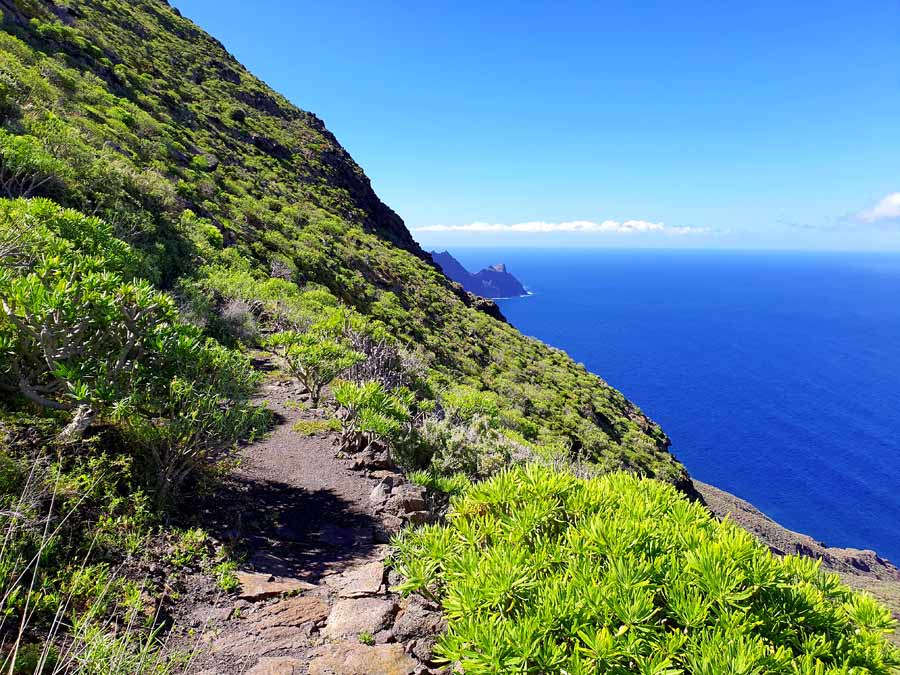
(689, 124)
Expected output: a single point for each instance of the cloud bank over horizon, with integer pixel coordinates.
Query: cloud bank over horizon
(606, 226)
(887, 209)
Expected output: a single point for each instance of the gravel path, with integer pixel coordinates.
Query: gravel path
(313, 579)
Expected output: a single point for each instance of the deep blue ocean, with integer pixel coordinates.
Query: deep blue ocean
(776, 375)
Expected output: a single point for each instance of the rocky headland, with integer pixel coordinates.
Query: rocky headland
(491, 282)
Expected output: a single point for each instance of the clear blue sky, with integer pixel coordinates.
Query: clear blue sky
(749, 125)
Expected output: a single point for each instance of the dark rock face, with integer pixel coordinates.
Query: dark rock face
(491, 282)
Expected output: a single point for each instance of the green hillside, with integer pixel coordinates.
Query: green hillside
(128, 112)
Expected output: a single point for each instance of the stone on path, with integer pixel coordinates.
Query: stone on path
(259, 586)
(418, 625)
(358, 659)
(359, 582)
(277, 665)
(363, 615)
(291, 612)
(284, 625)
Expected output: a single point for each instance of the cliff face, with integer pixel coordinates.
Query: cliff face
(142, 119)
(491, 282)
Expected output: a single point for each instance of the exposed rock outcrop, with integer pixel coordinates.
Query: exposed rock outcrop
(491, 282)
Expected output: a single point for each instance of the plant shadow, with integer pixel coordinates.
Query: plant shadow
(286, 531)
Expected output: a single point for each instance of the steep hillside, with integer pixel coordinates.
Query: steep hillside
(229, 375)
(127, 111)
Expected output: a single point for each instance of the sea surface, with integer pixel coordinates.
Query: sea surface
(776, 375)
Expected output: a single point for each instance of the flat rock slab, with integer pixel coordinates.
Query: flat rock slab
(277, 665)
(357, 659)
(363, 615)
(260, 586)
(284, 625)
(359, 582)
(291, 612)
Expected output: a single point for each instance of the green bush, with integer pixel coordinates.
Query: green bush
(80, 336)
(315, 361)
(475, 448)
(369, 412)
(539, 572)
(26, 167)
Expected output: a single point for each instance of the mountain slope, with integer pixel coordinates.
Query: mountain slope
(137, 116)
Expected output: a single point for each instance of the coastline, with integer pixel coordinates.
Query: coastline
(861, 569)
(526, 294)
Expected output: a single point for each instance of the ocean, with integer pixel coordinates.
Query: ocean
(776, 375)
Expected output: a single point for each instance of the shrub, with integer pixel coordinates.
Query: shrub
(25, 166)
(539, 571)
(475, 449)
(77, 335)
(463, 404)
(239, 321)
(369, 412)
(313, 360)
(384, 362)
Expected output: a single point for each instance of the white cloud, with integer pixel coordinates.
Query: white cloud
(886, 209)
(607, 226)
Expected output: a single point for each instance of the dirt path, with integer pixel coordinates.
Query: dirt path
(311, 527)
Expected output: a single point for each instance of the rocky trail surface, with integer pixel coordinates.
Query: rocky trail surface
(315, 593)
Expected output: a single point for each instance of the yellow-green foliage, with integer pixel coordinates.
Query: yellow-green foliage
(313, 427)
(542, 572)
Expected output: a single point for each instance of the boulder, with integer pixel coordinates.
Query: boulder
(407, 498)
(418, 517)
(381, 492)
(418, 625)
(360, 581)
(389, 526)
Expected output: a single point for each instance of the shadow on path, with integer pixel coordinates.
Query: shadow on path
(286, 530)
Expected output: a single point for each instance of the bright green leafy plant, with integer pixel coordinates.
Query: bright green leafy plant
(369, 412)
(80, 335)
(314, 360)
(540, 572)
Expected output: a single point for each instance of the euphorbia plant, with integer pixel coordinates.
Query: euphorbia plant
(370, 412)
(313, 359)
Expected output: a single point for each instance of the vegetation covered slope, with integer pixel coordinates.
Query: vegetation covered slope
(127, 111)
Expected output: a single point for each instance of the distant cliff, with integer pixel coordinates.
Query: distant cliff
(491, 282)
